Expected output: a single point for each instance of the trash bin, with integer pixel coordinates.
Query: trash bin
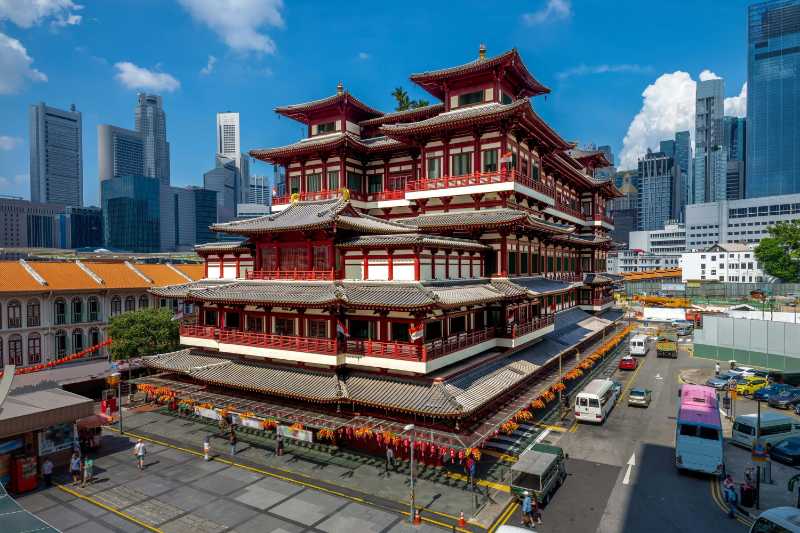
(747, 496)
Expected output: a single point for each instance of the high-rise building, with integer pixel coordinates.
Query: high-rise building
(25, 224)
(773, 98)
(198, 211)
(81, 227)
(56, 155)
(734, 142)
(120, 152)
(260, 190)
(223, 179)
(625, 209)
(229, 146)
(667, 147)
(657, 177)
(683, 159)
(710, 161)
(151, 122)
(131, 213)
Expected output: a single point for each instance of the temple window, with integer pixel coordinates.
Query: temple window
(375, 183)
(434, 168)
(326, 127)
(314, 182)
(210, 317)
(354, 181)
(232, 320)
(294, 258)
(398, 183)
(535, 171)
(321, 261)
(254, 323)
(362, 329)
(524, 264)
(462, 164)
(333, 179)
(318, 328)
(294, 184)
(284, 326)
(399, 332)
(505, 98)
(433, 330)
(512, 262)
(458, 324)
(489, 158)
(269, 259)
(475, 97)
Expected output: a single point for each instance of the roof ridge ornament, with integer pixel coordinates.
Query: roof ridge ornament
(482, 52)
(339, 88)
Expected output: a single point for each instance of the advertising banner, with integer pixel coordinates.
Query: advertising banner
(297, 434)
(207, 413)
(56, 438)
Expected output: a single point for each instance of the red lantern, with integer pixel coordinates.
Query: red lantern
(461, 457)
(452, 455)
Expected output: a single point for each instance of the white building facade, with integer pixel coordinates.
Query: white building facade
(729, 263)
(56, 155)
(640, 261)
(670, 240)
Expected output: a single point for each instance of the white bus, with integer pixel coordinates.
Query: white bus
(595, 401)
(774, 427)
(640, 344)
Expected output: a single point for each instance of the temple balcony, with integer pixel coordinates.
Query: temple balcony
(597, 304)
(479, 183)
(601, 220)
(519, 334)
(297, 275)
(373, 200)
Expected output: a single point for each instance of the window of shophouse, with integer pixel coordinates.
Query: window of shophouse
(433, 330)
(293, 258)
(60, 311)
(474, 97)
(434, 168)
(116, 305)
(333, 179)
(313, 182)
(462, 164)
(77, 311)
(375, 183)
(93, 307)
(143, 302)
(34, 313)
(61, 343)
(512, 262)
(523, 263)
(232, 320)
(458, 324)
(399, 332)
(162, 303)
(284, 326)
(34, 348)
(130, 304)
(354, 181)
(77, 341)
(317, 328)
(489, 158)
(94, 336)
(362, 329)
(15, 350)
(294, 184)
(210, 317)
(14, 314)
(326, 127)
(254, 323)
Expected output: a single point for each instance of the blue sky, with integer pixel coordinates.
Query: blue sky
(598, 57)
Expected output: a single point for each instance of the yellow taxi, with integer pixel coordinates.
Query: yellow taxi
(750, 385)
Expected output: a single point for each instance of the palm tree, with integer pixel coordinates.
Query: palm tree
(401, 96)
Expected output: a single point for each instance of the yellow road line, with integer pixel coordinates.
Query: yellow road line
(504, 516)
(312, 485)
(501, 456)
(481, 482)
(100, 504)
(716, 495)
(574, 427)
(557, 429)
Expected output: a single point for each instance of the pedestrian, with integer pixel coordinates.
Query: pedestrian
(536, 512)
(75, 468)
(232, 441)
(716, 368)
(389, 458)
(279, 445)
(527, 519)
(140, 451)
(473, 466)
(88, 470)
(47, 472)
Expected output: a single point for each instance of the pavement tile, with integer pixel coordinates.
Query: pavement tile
(153, 485)
(221, 483)
(226, 512)
(121, 524)
(87, 507)
(187, 498)
(38, 501)
(92, 527)
(120, 497)
(266, 493)
(191, 524)
(62, 517)
(154, 512)
(265, 523)
(188, 472)
(358, 517)
(175, 456)
(308, 507)
(402, 526)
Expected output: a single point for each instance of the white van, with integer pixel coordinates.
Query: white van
(777, 520)
(774, 428)
(640, 344)
(595, 401)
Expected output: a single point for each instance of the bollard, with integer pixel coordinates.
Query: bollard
(206, 449)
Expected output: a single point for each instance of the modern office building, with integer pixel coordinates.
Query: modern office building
(229, 146)
(151, 123)
(195, 212)
(729, 263)
(224, 179)
(773, 98)
(120, 152)
(131, 213)
(710, 161)
(260, 190)
(657, 190)
(25, 224)
(625, 209)
(56, 155)
(81, 227)
(667, 147)
(738, 221)
(734, 142)
(669, 240)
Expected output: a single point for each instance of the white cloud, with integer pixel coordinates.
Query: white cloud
(15, 66)
(209, 68)
(585, 70)
(668, 106)
(16, 185)
(9, 143)
(553, 10)
(736, 106)
(708, 75)
(363, 56)
(238, 22)
(136, 77)
(27, 13)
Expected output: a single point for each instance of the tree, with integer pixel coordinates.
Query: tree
(404, 102)
(145, 332)
(779, 254)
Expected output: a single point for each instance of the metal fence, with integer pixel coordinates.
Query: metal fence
(713, 290)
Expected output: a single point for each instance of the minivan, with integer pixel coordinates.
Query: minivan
(774, 428)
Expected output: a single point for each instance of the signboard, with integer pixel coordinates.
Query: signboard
(297, 434)
(246, 422)
(56, 438)
(674, 287)
(207, 413)
(5, 458)
(693, 284)
(759, 454)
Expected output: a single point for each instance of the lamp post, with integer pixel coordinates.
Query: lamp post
(410, 427)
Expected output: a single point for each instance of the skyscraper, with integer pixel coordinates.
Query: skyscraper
(773, 98)
(710, 161)
(56, 155)
(120, 152)
(223, 179)
(229, 146)
(734, 142)
(657, 177)
(260, 191)
(131, 213)
(683, 160)
(151, 122)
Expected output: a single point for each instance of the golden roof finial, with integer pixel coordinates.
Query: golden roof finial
(481, 52)
(340, 89)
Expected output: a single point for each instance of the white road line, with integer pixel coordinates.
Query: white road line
(543, 435)
(631, 463)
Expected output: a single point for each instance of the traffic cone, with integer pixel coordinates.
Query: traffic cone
(461, 521)
(417, 518)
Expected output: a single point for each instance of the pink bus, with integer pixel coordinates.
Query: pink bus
(698, 435)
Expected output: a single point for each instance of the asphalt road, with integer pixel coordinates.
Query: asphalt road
(601, 494)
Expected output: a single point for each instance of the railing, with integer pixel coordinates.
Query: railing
(520, 330)
(280, 342)
(386, 195)
(477, 178)
(393, 350)
(305, 275)
(599, 217)
(204, 332)
(307, 196)
(440, 347)
(570, 210)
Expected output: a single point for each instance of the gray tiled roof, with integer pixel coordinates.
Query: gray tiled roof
(398, 116)
(482, 218)
(411, 239)
(387, 295)
(596, 278)
(182, 290)
(230, 245)
(306, 293)
(461, 114)
(542, 285)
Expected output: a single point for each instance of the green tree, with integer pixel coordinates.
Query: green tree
(779, 254)
(145, 332)
(404, 102)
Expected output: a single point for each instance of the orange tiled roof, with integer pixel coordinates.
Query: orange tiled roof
(193, 270)
(14, 278)
(652, 274)
(64, 275)
(117, 275)
(160, 274)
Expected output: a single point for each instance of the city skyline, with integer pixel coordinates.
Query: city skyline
(607, 84)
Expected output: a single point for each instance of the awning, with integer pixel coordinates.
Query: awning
(94, 421)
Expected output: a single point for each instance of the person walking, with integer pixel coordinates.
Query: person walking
(716, 369)
(232, 441)
(389, 458)
(470, 470)
(88, 471)
(140, 451)
(527, 519)
(729, 495)
(47, 472)
(279, 445)
(536, 512)
(75, 468)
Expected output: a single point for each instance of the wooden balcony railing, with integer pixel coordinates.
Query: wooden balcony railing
(203, 332)
(520, 330)
(279, 342)
(454, 343)
(477, 178)
(301, 275)
(386, 195)
(565, 208)
(393, 350)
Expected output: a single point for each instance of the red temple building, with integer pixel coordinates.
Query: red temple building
(417, 262)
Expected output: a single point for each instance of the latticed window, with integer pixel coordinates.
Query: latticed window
(15, 350)
(294, 258)
(354, 181)
(314, 182)
(143, 302)
(254, 323)
(434, 167)
(61, 343)
(34, 314)
(284, 326)
(77, 341)
(130, 304)
(490, 160)
(34, 348)
(320, 259)
(398, 183)
(94, 337)
(14, 314)
(94, 309)
(333, 179)
(269, 259)
(77, 311)
(116, 305)
(462, 164)
(317, 328)
(375, 183)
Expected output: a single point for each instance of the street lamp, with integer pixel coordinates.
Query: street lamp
(410, 427)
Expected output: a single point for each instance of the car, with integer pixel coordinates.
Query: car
(786, 451)
(720, 382)
(761, 373)
(770, 390)
(750, 385)
(742, 371)
(639, 397)
(628, 363)
(786, 399)
(616, 386)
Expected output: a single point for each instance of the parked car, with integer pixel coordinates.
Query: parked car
(639, 397)
(786, 399)
(742, 371)
(750, 385)
(628, 363)
(770, 390)
(786, 451)
(761, 373)
(720, 382)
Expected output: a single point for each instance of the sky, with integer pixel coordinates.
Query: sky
(622, 73)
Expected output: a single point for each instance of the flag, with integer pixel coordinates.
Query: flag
(506, 157)
(341, 329)
(415, 333)
(178, 315)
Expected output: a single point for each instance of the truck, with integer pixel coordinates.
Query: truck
(667, 344)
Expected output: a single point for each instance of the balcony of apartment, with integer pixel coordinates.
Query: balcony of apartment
(479, 183)
(295, 275)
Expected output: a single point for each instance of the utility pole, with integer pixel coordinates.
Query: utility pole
(410, 427)
(758, 467)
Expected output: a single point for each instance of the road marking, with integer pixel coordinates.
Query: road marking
(481, 482)
(502, 456)
(716, 495)
(504, 516)
(557, 429)
(543, 435)
(100, 504)
(658, 376)
(631, 463)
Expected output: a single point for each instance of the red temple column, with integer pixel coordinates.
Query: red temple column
(331, 256)
(342, 170)
(476, 156)
(518, 268)
(277, 253)
(445, 157)
(504, 254)
(366, 264)
(416, 265)
(447, 264)
(433, 263)
(302, 176)
(324, 175)
(309, 256)
(238, 264)
(301, 324)
(390, 264)
(205, 267)
(386, 174)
